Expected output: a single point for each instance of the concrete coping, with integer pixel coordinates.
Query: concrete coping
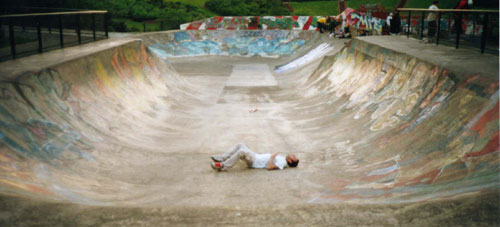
(9, 70)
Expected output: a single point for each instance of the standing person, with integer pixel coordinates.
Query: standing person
(432, 20)
(464, 4)
(395, 27)
(388, 21)
(252, 159)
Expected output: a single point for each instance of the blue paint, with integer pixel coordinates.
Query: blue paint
(58, 139)
(181, 36)
(384, 171)
(253, 44)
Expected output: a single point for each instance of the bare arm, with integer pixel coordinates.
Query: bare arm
(270, 165)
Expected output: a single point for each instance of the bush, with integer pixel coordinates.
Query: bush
(247, 7)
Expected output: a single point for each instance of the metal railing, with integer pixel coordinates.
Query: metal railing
(474, 28)
(160, 25)
(26, 34)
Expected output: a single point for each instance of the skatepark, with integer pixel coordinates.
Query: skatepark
(389, 131)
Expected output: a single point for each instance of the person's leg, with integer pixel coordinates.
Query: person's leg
(432, 28)
(331, 27)
(243, 153)
(321, 27)
(229, 152)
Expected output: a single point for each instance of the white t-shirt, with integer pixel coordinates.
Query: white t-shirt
(262, 160)
(432, 16)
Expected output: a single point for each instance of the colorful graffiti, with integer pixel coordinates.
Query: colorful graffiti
(254, 23)
(350, 17)
(242, 43)
(54, 121)
(423, 150)
(362, 21)
(380, 126)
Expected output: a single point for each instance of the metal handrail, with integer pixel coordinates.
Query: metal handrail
(448, 10)
(458, 12)
(37, 18)
(55, 14)
(155, 21)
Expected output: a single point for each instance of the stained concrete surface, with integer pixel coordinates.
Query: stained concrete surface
(147, 126)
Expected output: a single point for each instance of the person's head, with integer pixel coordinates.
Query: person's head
(292, 160)
(435, 2)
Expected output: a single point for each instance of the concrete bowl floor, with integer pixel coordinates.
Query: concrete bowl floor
(128, 131)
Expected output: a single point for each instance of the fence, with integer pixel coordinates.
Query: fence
(27, 34)
(466, 28)
(160, 25)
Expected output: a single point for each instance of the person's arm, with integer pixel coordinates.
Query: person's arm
(271, 165)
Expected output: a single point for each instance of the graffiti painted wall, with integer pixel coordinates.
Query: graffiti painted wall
(380, 126)
(350, 18)
(432, 132)
(55, 121)
(241, 43)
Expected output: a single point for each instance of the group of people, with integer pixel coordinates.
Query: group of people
(432, 18)
(329, 24)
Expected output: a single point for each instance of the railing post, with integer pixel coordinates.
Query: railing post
(439, 28)
(459, 29)
(485, 33)
(474, 26)
(161, 25)
(143, 26)
(93, 26)
(39, 34)
(12, 39)
(49, 24)
(78, 32)
(106, 25)
(61, 36)
(422, 26)
(409, 25)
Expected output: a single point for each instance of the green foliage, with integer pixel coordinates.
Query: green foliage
(386, 4)
(247, 7)
(315, 8)
(142, 10)
(199, 3)
(443, 4)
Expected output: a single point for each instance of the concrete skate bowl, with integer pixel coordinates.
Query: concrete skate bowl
(134, 125)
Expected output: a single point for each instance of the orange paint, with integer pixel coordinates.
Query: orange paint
(116, 65)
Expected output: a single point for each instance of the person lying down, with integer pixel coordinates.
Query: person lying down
(253, 160)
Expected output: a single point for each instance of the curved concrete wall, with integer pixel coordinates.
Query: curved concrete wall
(234, 43)
(371, 125)
(411, 130)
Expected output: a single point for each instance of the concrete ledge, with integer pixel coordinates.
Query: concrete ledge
(459, 61)
(9, 70)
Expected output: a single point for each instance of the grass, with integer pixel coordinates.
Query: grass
(315, 8)
(443, 4)
(386, 4)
